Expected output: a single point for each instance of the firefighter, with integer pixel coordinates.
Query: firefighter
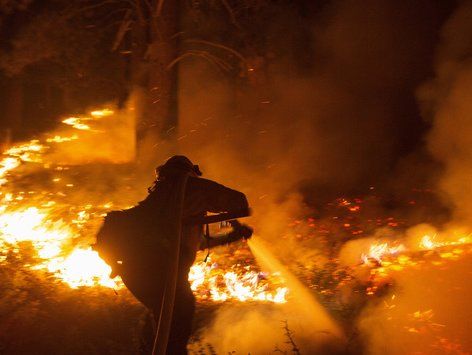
(159, 286)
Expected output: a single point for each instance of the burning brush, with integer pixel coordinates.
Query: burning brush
(39, 214)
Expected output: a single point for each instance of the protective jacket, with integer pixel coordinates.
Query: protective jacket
(158, 276)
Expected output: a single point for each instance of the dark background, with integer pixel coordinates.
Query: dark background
(345, 71)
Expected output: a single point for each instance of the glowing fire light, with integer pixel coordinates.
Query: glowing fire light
(428, 242)
(377, 251)
(6, 165)
(83, 267)
(243, 287)
(76, 123)
(60, 139)
(30, 225)
(53, 230)
(80, 268)
(25, 151)
(102, 113)
(390, 259)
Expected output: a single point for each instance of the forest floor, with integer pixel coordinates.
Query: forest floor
(352, 254)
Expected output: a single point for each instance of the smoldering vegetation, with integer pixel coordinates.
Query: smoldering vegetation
(345, 121)
(446, 103)
(334, 106)
(438, 293)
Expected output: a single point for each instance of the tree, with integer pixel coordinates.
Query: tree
(57, 54)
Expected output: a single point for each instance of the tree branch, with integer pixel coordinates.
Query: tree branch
(231, 13)
(291, 341)
(221, 46)
(218, 62)
(160, 3)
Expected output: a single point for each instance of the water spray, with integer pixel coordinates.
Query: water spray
(313, 321)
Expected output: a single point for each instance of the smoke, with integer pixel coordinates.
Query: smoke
(319, 127)
(333, 123)
(424, 309)
(101, 136)
(425, 313)
(80, 164)
(427, 308)
(261, 329)
(309, 128)
(336, 120)
(332, 111)
(447, 101)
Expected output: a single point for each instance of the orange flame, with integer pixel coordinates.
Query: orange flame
(225, 285)
(54, 235)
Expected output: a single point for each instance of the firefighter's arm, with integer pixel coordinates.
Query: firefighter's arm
(220, 198)
(240, 231)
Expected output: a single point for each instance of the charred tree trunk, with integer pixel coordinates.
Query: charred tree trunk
(155, 44)
(14, 107)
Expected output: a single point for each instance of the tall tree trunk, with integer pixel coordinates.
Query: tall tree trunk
(155, 46)
(14, 107)
(163, 80)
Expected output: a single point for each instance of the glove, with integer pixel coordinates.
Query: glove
(241, 230)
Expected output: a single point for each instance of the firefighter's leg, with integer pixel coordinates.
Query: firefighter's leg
(182, 318)
(146, 336)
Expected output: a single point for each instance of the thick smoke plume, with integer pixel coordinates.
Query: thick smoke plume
(433, 299)
(335, 123)
(447, 101)
(427, 311)
(103, 136)
(302, 323)
(326, 126)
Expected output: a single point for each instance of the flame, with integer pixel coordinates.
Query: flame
(26, 152)
(54, 229)
(39, 223)
(30, 225)
(60, 139)
(226, 285)
(50, 239)
(80, 122)
(77, 123)
(15, 156)
(383, 252)
(6, 165)
(378, 251)
(102, 113)
(83, 267)
(428, 242)
(389, 259)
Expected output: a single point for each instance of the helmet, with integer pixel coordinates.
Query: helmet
(177, 164)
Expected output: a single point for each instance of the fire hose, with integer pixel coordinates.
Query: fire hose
(167, 304)
(220, 217)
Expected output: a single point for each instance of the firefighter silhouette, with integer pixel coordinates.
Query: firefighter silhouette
(159, 241)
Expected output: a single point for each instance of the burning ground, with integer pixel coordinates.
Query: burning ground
(355, 277)
(50, 214)
(315, 99)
